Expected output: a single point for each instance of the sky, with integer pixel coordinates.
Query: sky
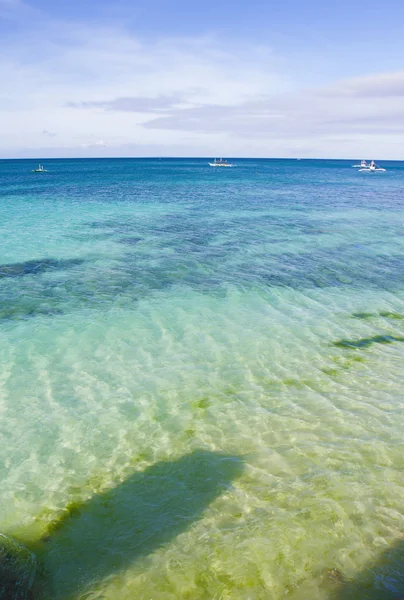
(95, 78)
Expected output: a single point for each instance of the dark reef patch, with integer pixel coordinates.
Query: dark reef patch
(366, 342)
(130, 241)
(37, 267)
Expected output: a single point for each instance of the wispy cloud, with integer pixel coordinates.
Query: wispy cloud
(106, 81)
(140, 104)
(179, 95)
(379, 85)
(97, 144)
(319, 114)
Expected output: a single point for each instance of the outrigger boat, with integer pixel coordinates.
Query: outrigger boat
(220, 163)
(372, 168)
(40, 169)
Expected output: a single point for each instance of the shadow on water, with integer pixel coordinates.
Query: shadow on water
(382, 580)
(36, 267)
(107, 533)
(26, 308)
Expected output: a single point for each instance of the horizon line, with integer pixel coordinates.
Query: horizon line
(36, 158)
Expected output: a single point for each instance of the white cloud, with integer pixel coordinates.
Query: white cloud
(142, 104)
(97, 144)
(48, 133)
(379, 85)
(318, 113)
(179, 96)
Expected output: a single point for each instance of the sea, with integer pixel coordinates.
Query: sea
(201, 378)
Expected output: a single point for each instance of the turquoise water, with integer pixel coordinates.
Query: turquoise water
(201, 389)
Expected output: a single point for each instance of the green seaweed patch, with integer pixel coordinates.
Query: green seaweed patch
(295, 383)
(345, 362)
(300, 384)
(331, 372)
(55, 520)
(272, 385)
(392, 315)
(366, 342)
(357, 359)
(383, 313)
(202, 403)
(71, 511)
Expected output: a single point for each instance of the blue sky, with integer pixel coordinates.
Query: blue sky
(235, 78)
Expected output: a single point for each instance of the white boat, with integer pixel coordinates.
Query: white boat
(372, 168)
(363, 165)
(220, 163)
(40, 169)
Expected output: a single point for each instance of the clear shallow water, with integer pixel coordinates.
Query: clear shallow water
(201, 388)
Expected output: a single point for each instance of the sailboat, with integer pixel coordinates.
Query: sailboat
(39, 169)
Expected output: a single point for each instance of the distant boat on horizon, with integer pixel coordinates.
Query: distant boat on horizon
(372, 168)
(220, 163)
(363, 165)
(39, 169)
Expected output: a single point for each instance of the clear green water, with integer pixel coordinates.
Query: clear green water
(201, 389)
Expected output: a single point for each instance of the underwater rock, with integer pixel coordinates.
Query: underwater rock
(335, 576)
(17, 569)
